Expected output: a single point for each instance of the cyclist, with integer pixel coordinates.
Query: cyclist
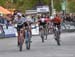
(27, 23)
(56, 22)
(42, 24)
(48, 21)
(19, 21)
(42, 21)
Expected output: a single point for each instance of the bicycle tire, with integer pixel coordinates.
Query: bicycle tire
(20, 46)
(46, 31)
(42, 35)
(58, 38)
(46, 34)
(58, 42)
(27, 41)
(28, 45)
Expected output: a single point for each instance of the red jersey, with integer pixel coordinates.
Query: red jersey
(56, 20)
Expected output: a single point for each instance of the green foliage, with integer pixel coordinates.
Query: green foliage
(71, 6)
(2, 2)
(25, 4)
(57, 5)
(29, 4)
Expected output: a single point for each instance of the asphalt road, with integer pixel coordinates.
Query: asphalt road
(8, 47)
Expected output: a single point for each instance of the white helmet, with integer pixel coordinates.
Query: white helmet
(19, 14)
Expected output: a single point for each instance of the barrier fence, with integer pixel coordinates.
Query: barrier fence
(12, 32)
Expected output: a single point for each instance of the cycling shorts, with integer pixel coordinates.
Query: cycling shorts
(19, 27)
(57, 24)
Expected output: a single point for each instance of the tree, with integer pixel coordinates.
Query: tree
(2, 2)
(71, 6)
(57, 5)
(29, 4)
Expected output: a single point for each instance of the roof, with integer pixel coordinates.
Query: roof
(4, 11)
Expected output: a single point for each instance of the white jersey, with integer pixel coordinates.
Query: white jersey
(19, 21)
(28, 19)
(42, 19)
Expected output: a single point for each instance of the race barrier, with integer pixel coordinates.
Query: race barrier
(12, 32)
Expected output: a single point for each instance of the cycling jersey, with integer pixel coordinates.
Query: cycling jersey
(56, 20)
(19, 23)
(28, 21)
(42, 21)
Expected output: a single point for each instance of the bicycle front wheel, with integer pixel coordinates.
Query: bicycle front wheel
(57, 38)
(42, 35)
(20, 46)
(27, 36)
(28, 45)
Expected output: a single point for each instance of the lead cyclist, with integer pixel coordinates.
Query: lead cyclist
(19, 20)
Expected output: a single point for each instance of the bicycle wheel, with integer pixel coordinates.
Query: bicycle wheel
(20, 46)
(58, 42)
(57, 38)
(27, 34)
(46, 33)
(28, 44)
(21, 40)
(42, 35)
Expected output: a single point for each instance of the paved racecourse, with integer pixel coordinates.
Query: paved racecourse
(8, 47)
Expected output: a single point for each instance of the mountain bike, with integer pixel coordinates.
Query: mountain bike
(57, 35)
